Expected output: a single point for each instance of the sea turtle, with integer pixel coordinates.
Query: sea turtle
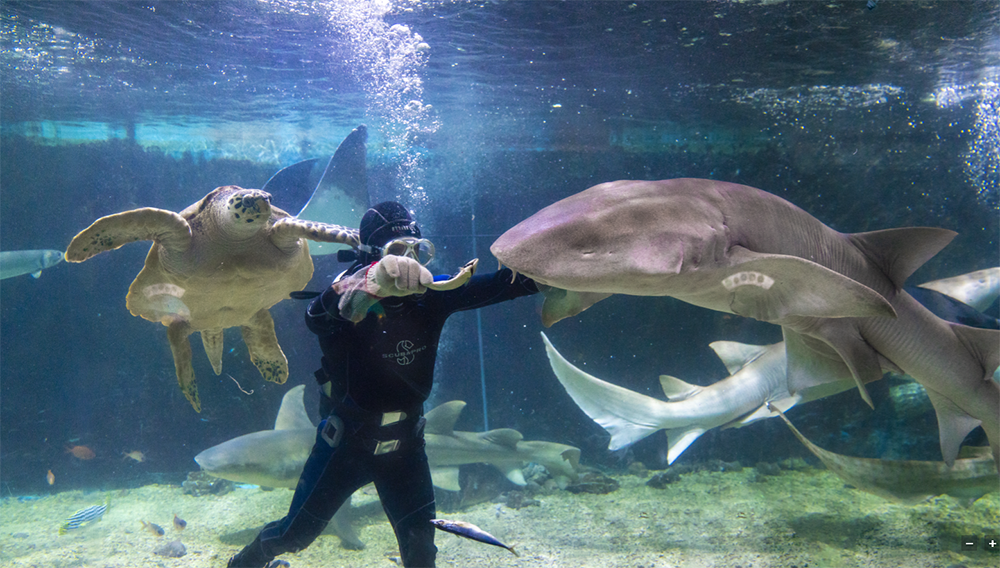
(221, 262)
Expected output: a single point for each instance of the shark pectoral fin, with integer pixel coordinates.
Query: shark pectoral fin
(561, 304)
(736, 355)
(514, 474)
(953, 426)
(446, 478)
(977, 289)
(899, 252)
(773, 287)
(678, 440)
(820, 367)
(676, 389)
(628, 416)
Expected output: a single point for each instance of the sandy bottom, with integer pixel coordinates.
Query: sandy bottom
(796, 519)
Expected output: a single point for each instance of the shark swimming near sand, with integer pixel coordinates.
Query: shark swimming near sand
(33, 262)
(274, 458)
(757, 383)
(736, 249)
(911, 481)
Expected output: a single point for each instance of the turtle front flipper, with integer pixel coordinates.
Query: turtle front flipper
(212, 340)
(288, 230)
(177, 334)
(265, 353)
(147, 224)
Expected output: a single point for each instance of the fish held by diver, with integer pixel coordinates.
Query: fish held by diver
(470, 531)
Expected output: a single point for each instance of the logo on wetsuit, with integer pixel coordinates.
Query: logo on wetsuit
(405, 353)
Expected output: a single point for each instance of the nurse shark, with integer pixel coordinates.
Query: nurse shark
(756, 386)
(274, 458)
(736, 249)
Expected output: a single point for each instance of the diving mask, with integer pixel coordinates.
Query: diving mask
(420, 250)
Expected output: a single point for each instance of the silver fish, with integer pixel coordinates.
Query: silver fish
(471, 531)
(18, 262)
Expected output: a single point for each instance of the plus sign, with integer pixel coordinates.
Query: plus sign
(992, 543)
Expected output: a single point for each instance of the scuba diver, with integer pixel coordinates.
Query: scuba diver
(378, 326)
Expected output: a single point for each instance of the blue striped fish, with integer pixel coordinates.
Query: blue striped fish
(469, 530)
(84, 517)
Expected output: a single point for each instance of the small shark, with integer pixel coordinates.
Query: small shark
(275, 458)
(18, 262)
(736, 249)
(757, 382)
(909, 481)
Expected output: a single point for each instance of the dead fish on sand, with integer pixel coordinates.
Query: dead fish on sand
(469, 530)
(909, 481)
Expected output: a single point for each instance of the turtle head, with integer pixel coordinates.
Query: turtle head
(245, 211)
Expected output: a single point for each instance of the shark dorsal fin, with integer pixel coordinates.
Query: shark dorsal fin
(900, 252)
(441, 420)
(736, 355)
(506, 437)
(676, 389)
(292, 414)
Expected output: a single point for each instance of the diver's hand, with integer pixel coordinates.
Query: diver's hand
(397, 276)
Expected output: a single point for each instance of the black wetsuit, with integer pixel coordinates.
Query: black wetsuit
(383, 364)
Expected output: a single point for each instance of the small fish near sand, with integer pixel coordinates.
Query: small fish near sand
(84, 517)
(179, 523)
(156, 530)
(470, 531)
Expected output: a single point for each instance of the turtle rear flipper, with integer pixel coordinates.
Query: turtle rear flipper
(113, 231)
(265, 353)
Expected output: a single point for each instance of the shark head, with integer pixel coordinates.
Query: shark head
(618, 237)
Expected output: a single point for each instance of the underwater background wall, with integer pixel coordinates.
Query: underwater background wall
(480, 114)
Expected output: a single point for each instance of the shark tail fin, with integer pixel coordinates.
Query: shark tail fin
(626, 415)
(984, 345)
(900, 252)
